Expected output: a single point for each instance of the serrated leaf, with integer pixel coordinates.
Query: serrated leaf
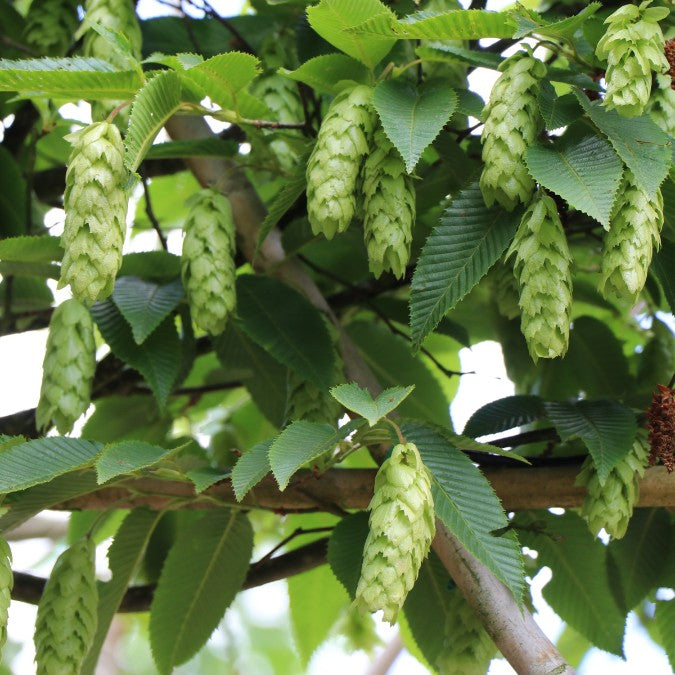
(606, 428)
(158, 100)
(204, 477)
(557, 111)
(579, 591)
(452, 52)
(466, 503)
(532, 22)
(40, 460)
(160, 266)
(31, 249)
(586, 173)
(469, 239)
(251, 468)
(467, 444)
(145, 304)
(664, 618)
(345, 549)
(663, 264)
(282, 322)
(332, 19)
(359, 400)
(302, 442)
(503, 414)
(69, 79)
(643, 147)
(324, 72)
(127, 457)
(412, 117)
(204, 570)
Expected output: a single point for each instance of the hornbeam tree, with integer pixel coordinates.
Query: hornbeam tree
(271, 400)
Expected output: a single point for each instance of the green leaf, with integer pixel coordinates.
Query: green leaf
(664, 618)
(324, 73)
(640, 143)
(663, 264)
(412, 117)
(31, 249)
(345, 549)
(69, 79)
(285, 324)
(303, 442)
(586, 173)
(160, 266)
(145, 304)
(360, 401)
(127, 457)
(158, 359)
(532, 22)
(250, 469)
(158, 100)
(204, 570)
(466, 503)
(332, 19)
(557, 111)
(196, 147)
(579, 591)
(204, 477)
(503, 414)
(467, 444)
(469, 239)
(606, 428)
(40, 460)
(452, 52)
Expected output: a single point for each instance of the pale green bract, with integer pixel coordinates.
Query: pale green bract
(633, 48)
(512, 123)
(95, 202)
(634, 231)
(68, 368)
(401, 529)
(6, 585)
(67, 614)
(50, 25)
(335, 163)
(661, 106)
(542, 267)
(388, 208)
(207, 261)
(505, 289)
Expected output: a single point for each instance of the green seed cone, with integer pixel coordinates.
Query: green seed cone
(6, 585)
(67, 614)
(68, 368)
(335, 163)
(388, 208)
(401, 529)
(96, 209)
(207, 261)
(542, 267)
(609, 505)
(50, 26)
(635, 229)
(512, 123)
(115, 15)
(632, 47)
(661, 106)
(359, 629)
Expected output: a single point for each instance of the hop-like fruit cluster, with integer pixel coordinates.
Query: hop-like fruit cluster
(207, 262)
(633, 47)
(115, 15)
(635, 228)
(401, 529)
(50, 25)
(67, 614)
(542, 267)
(96, 209)
(388, 208)
(609, 505)
(661, 106)
(359, 629)
(335, 163)
(467, 648)
(505, 290)
(68, 368)
(512, 123)
(6, 584)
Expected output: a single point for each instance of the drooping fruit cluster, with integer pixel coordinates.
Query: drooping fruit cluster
(661, 423)
(95, 202)
(633, 48)
(359, 629)
(6, 585)
(67, 614)
(401, 529)
(68, 368)
(50, 25)
(207, 261)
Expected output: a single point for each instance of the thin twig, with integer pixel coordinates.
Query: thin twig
(8, 42)
(151, 213)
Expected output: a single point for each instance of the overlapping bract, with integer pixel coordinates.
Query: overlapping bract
(335, 163)
(207, 261)
(115, 15)
(6, 584)
(50, 25)
(388, 208)
(661, 106)
(68, 368)
(96, 209)
(512, 123)
(67, 614)
(505, 290)
(542, 267)
(633, 48)
(401, 529)
(635, 228)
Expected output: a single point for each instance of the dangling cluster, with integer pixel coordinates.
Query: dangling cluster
(68, 368)
(207, 261)
(661, 423)
(401, 529)
(50, 25)
(633, 48)
(67, 614)
(542, 267)
(6, 585)
(512, 123)
(95, 202)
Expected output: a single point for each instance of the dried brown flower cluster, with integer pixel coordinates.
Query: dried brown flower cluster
(670, 55)
(661, 424)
